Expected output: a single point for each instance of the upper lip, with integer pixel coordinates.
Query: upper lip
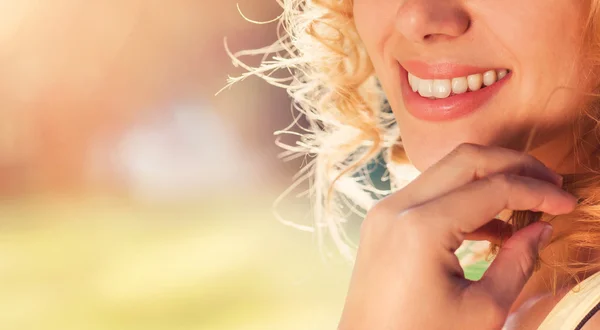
(443, 70)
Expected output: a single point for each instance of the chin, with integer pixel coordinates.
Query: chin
(423, 158)
(426, 153)
(424, 149)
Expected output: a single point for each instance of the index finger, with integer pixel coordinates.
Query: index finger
(469, 207)
(467, 163)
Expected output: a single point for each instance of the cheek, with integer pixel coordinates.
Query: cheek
(547, 61)
(374, 22)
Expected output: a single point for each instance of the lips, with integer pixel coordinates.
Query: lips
(450, 107)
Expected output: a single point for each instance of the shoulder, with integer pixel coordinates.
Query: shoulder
(593, 323)
(533, 312)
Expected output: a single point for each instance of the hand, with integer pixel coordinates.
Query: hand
(406, 274)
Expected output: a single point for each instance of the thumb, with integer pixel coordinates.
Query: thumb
(514, 265)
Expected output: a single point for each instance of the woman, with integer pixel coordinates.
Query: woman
(495, 103)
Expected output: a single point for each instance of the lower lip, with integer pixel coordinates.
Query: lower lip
(450, 108)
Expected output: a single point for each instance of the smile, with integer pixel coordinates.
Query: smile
(443, 88)
(448, 91)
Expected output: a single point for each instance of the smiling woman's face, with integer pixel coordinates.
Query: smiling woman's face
(481, 71)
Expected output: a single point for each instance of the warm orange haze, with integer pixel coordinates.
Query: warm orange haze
(132, 196)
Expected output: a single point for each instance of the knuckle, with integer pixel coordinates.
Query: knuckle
(526, 262)
(526, 257)
(407, 223)
(414, 225)
(468, 150)
(525, 157)
(532, 160)
(378, 211)
(525, 266)
(376, 215)
(501, 181)
(412, 217)
(529, 162)
(468, 156)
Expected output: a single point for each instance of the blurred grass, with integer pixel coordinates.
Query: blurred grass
(111, 264)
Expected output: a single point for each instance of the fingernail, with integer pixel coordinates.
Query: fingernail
(545, 237)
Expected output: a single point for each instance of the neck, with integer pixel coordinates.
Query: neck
(570, 150)
(560, 155)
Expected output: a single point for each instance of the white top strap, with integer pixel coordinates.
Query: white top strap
(574, 306)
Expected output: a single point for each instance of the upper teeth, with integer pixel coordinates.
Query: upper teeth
(442, 88)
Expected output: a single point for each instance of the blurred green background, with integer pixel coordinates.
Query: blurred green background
(132, 196)
(105, 264)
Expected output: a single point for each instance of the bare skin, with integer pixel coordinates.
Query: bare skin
(406, 258)
(535, 40)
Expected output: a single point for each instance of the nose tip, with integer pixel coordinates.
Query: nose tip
(429, 20)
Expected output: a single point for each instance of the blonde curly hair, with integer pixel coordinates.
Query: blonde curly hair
(332, 83)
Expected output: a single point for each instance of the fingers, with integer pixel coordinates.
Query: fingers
(470, 207)
(467, 163)
(513, 266)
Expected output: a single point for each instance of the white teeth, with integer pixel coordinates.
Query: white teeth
(426, 87)
(475, 81)
(415, 83)
(459, 85)
(502, 73)
(489, 77)
(442, 88)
